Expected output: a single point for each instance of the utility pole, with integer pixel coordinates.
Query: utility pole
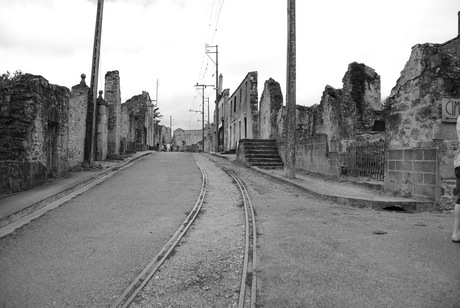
(289, 161)
(203, 86)
(156, 98)
(209, 127)
(90, 142)
(217, 90)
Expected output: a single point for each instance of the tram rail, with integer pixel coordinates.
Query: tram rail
(248, 284)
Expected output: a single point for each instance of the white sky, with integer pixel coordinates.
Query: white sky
(146, 40)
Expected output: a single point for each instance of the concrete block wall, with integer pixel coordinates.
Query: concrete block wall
(312, 155)
(413, 173)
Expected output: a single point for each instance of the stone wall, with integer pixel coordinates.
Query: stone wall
(78, 105)
(113, 99)
(271, 102)
(34, 122)
(102, 128)
(139, 124)
(344, 113)
(125, 120)
(414, 108)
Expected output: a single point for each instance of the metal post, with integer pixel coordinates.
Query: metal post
(289, 162)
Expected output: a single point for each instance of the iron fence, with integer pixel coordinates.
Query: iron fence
(366, 159)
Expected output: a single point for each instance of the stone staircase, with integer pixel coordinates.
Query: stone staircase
(260, 153)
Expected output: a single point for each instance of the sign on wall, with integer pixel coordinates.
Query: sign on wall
(450, 109)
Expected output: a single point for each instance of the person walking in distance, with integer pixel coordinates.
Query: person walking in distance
(456, 233)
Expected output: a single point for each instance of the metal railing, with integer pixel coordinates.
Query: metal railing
(366, 159)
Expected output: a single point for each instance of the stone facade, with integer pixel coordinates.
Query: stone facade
(34, 121)
(187, 140)
(243, 117)
(113, 99)
(224, 110)
(78, 105)
(141, 122)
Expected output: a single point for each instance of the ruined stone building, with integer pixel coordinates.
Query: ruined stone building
(34, 121)
(140, 121)
(242, 120)
(187, 140)
(44, 128)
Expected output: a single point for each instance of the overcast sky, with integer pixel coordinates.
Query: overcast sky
(146, 40)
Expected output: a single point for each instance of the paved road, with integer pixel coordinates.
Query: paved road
(85, 252)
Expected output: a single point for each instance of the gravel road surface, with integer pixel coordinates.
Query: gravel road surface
(315, 253)
(205, 271)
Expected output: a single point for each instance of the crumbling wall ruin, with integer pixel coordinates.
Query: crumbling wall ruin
(414, 114)
(78, 105)
(34, 122)
(113, 99)
(271, 102)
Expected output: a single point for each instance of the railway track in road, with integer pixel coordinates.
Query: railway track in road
(248, 287)
(248, 283)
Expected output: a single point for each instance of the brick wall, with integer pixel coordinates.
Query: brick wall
(413, 172)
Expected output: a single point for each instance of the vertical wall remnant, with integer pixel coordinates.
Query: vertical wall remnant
(78, 105)
(113, 99)
(101, 128)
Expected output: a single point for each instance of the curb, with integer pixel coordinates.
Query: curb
(409, 205)
(40, 204)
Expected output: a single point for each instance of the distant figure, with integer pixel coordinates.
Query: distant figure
(456, 234)
(168, 147)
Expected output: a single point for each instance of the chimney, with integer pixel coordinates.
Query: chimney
(221, 78)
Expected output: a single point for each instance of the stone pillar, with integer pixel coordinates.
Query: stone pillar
(78, 105)
(102, 130)
(113, 100)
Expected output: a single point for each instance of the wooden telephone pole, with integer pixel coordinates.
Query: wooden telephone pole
(217, 90)
(90, 142)
(289, 162)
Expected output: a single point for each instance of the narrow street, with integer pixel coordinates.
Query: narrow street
(311, 253)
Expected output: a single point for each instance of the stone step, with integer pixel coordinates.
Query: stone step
(268, 165)
(264, 159)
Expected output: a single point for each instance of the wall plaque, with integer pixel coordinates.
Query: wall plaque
(450, 109)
